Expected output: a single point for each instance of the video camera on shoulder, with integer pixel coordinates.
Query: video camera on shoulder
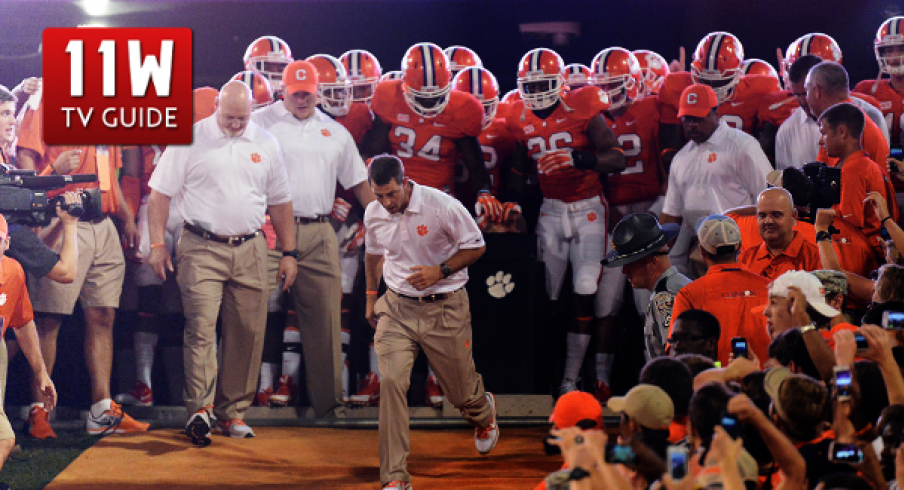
(23, 197)
(826, 185)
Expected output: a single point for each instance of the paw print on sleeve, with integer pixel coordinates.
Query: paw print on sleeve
(500, 284)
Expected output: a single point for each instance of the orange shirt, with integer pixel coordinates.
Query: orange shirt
(729, 292)
(750, 232)
(860, 176)
(15, 310)
(678, 430)
(31, 137)
(800, 255)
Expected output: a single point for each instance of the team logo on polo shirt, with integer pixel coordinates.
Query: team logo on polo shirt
(591, 216)
(739, 294)
(325, 132)
(712, 158)
(422, 230)
(256, 158)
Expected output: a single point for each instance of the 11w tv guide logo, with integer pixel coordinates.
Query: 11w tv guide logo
(115, 86)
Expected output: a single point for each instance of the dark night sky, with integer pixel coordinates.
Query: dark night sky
(387, 28)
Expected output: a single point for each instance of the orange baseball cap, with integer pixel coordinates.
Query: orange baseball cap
(697, 100)
(4, 229)
(300, 76)
(204, 101)
(575, 406)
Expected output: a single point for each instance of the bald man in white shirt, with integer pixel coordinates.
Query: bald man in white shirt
(421, 241)
(225, 181)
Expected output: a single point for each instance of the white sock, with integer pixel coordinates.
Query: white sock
(604, 366)
(145, 343)
(100, 407)
(267, 371)
(374, 363)
(291, 361)
(430, 372)
(577, 347)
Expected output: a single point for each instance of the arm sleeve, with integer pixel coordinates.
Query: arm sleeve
(462, 227)
(783, 146)
(370, 240)
(26, 248)
(169, 175)
(854, 187)
(754, 166)
(352, 170)
(674, 196)
(22, 313)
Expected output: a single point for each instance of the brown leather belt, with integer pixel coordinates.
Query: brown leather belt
(234, 241)
(430, 298)
(323, 218)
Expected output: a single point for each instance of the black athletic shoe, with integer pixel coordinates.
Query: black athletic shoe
(198, 428)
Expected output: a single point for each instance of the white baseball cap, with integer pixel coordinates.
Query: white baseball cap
(808, 284)
(716, 231)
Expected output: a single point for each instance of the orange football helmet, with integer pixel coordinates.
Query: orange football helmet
(426, 79)
(617, 72)
(261, 93)
(392, 75)
(653, 69)
(332, 84)
(890, 33)
(363, 72)
(576, 75)
(717, 63)
(540, 78)
(755, 66)
(268, 55)
(461, 57)
(480, 83)
(817, 44)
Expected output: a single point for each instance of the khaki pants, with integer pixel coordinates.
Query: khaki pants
(317, 299)
(443, 330)
(6, 430)
(217, 279)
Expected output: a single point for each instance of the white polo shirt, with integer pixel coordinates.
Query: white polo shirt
(725, 171)
(319, 152)
(224, 184)
(433, 228)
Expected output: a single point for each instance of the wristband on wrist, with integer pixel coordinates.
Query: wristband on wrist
(823, 235)
(883, 220)
(371, 293)
(157, 245)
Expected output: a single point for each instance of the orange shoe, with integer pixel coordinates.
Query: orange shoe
(263, 397)
(113, 421)
(38, 426)
(434, 393)
(285, 392)
(369, 394)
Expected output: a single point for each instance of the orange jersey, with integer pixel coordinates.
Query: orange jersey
(31, 137)
(891, 103)
(427, 145)
(738, 112)
(853, 249)
(358, 121)
(15, 310)
(638, 135)
(729, 292)
(563, 128)
(776, 107)
(800, 255)
(496, 144)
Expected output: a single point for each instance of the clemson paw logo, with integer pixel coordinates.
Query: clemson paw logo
(711, 158)
(591, 217)
(325, 132)
(256, 158)
(422, 230)
(500, 284)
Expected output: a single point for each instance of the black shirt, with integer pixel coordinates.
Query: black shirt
(25, 246)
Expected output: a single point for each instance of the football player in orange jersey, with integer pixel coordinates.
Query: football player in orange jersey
(718, 62)
(429, 126)
(496, 143)
(637, 189)
(268, 55)
(460, 58)
(563, 138)
(653, 69)
(889, 48)
(364, 72)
